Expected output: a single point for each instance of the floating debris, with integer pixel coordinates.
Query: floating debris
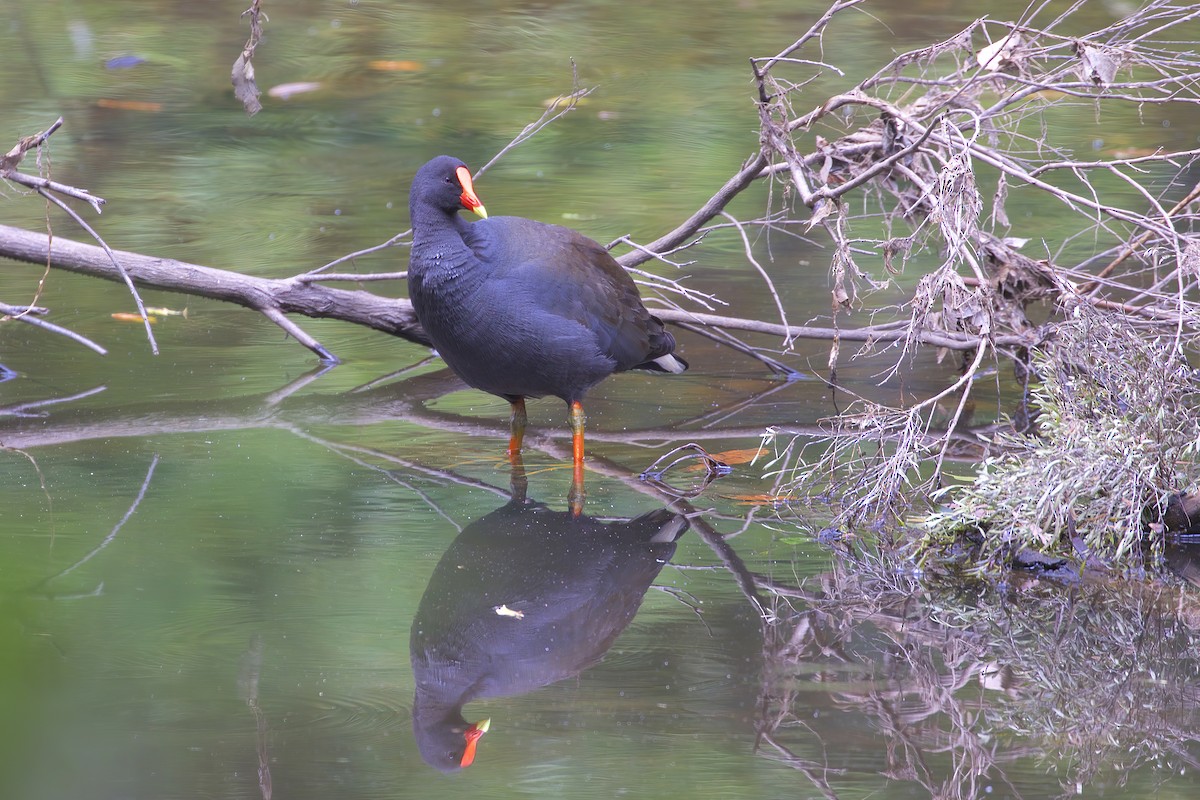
(285, 91)
(124, 62)
(384, 65)
(167, 312)
(129, 105)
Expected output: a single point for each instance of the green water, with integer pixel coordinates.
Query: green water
(209, 572)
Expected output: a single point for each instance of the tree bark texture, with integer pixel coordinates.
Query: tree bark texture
(290, 296)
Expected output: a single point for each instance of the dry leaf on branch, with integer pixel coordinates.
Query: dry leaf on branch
(244, 87)
(1096, 66)
(1001, 56)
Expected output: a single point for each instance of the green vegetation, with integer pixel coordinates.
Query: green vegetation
(1115, 434)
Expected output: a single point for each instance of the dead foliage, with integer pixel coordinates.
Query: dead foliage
(916, 165)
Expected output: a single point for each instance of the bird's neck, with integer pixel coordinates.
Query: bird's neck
(437, 246)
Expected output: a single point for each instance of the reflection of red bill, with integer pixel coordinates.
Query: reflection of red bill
(472, 736)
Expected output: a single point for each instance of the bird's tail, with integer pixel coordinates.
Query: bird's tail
(668, 363)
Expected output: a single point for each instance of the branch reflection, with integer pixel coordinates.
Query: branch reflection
(955, 687)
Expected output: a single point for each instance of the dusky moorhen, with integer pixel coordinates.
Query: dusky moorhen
(520, 308)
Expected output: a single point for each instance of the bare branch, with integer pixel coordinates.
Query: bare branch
(9, 162)
(384, 314)
(137, 298)
(278, 317)
(22, 314)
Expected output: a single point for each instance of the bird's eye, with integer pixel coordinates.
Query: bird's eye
(449, 180)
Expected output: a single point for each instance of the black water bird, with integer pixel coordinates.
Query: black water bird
(520, 308)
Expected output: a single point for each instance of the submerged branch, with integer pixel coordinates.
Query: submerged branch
(25, 314)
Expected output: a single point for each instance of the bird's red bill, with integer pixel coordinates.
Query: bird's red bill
(469, 199)
(472, 736)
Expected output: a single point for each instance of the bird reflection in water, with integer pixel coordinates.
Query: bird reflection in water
(524, 597)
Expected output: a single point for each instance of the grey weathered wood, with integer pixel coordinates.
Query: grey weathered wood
(287, 295)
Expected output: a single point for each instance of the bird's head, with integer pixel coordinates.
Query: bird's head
(445, 183)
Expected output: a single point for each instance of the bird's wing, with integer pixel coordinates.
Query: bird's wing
(555, 270)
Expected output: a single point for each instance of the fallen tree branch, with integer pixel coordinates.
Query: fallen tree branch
(275, 297)
(265, 295)
(874, 333)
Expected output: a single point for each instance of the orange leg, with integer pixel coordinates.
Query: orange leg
(517, 426)
(577, 420)
(575, 499)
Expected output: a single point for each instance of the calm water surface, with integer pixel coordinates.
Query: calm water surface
(221, 581)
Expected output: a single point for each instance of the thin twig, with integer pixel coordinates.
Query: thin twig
(137, 298)
(45, 185)
(729, 340)
(749, 252)
(967, 377)
(1136, 243)
(312, 275)
(868, 334)
(22, 314)
(13, 157)
(555, 109)
(351, 277)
